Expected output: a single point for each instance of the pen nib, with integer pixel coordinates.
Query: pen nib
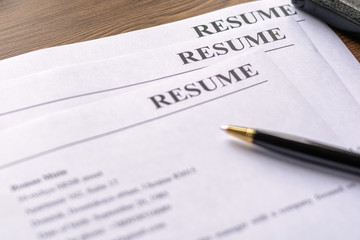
(243, 133)
(224, 127)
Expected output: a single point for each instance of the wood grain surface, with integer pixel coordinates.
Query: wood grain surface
(27, 25)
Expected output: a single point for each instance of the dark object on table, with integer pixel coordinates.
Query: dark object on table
(342, 14)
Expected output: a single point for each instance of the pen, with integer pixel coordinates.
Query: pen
(298, 147)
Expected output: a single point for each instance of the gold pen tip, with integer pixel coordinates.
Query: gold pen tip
(240, 132)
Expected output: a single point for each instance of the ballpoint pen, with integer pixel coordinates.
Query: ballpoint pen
(298, 147)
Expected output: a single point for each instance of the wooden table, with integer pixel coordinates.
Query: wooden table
(27, 25)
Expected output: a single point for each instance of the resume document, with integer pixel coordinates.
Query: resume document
(153, 164)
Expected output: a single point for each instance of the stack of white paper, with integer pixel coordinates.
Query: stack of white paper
(119, 138)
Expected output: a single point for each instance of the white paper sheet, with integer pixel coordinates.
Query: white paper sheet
(283, 41)
(335, 52)
(109, 119)
(170, 173)
(57, 89)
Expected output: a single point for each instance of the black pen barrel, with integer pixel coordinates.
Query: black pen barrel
(309, 151)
